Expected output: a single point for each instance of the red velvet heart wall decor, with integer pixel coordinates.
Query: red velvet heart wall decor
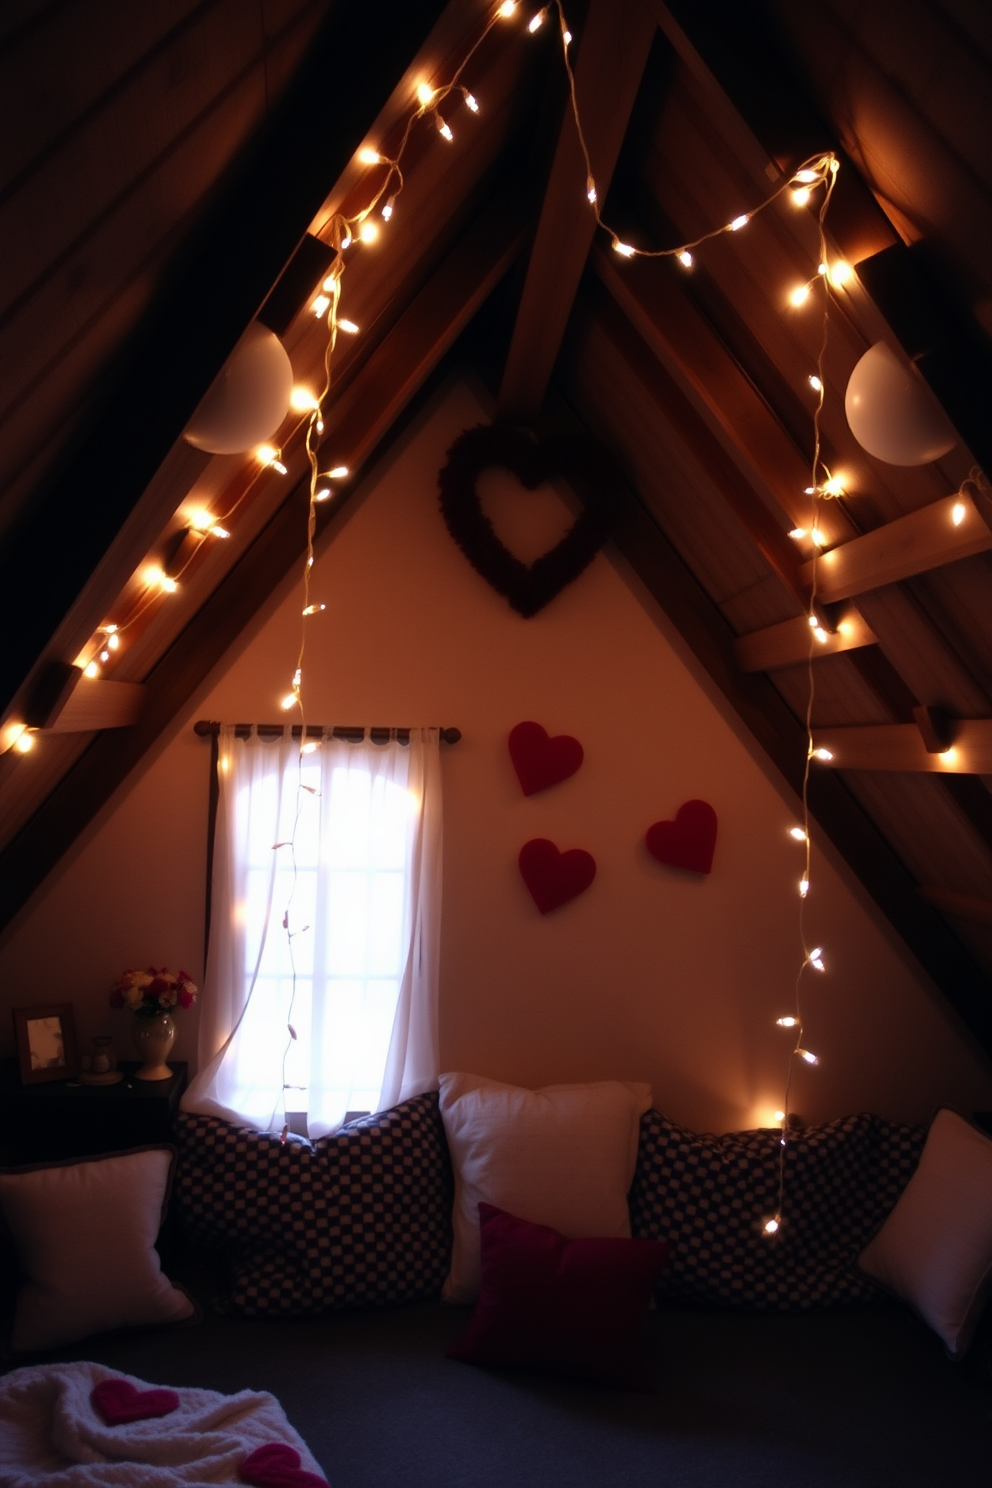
(528, 587)
(277, 1465)
(541, 761)
(555, 877)
(118, 1402)
(688, 841)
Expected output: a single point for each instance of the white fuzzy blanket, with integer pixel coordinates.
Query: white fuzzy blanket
(50, 1433)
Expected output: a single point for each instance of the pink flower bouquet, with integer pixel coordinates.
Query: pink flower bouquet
(153, 991)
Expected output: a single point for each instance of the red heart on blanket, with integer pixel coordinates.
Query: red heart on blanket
(119, 1402)
(277, 1465)
(555, 877)
(688, 841)
(541, 761)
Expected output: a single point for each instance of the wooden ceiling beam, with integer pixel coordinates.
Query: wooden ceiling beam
(386, 383)
(788, 644)
(968, 907)
(96, 501)
(613, 51)
(937, 534)
(902, 747)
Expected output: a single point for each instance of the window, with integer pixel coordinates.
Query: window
(320, 991)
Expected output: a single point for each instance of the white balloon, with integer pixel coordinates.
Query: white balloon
(247, 400)
(892, 413)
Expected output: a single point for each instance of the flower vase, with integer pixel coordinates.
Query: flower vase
(153, 1035)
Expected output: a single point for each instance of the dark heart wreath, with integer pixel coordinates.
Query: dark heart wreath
(528, 587)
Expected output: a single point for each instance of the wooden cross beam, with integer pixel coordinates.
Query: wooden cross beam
(614, 48)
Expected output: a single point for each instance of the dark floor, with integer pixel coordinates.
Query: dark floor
(846, 1399)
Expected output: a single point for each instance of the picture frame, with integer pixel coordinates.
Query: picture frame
(46, 1042)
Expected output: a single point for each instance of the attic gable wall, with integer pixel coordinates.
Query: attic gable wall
(650, 974)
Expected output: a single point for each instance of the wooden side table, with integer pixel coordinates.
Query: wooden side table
(45, 1122)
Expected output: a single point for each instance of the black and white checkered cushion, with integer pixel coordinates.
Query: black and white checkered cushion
(709, 1197)
(362, 1218)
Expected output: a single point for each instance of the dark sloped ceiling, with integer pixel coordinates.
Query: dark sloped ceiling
(697, 383)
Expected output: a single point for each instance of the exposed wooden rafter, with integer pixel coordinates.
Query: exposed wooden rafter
(788, 644)
(614, 48)
(939, 533)
(902, 746)
(101, 509)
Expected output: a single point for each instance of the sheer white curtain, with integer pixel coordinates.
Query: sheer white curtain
(320, 991)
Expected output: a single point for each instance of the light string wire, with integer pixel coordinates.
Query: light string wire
(342, 229)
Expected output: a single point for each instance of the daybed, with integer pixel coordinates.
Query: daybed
(778, 1365)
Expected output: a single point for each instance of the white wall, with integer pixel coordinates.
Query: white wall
(650, 974)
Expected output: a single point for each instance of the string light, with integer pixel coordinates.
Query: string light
(739, 222)
(815, 383)
(536, 22)
(787, 1022)
(368, 156)
(348, 326)
(472, 102)
(685, 258)
(369, 231)
(443, 130)
(321, 305)
(797, 834)
(958, 513)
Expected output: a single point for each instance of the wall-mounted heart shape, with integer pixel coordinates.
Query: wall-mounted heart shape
(118, 1402)
(688, 841)
(555, 877)
(277, 1465)
(539, 760)
(528, 587)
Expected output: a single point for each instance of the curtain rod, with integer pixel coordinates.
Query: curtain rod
(354, 735)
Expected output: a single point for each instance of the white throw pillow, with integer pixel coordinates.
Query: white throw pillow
(562, 1156)
(85, 1234)
(935, 1248)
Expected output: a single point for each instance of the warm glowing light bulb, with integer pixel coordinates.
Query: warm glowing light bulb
(787, 1022)
(779, 1115)
(472, 102)
(685, 259)
(346, 240)
(624, 249)
(834, 486)
(425, 94)
(320, 305)
(169, 585)
(799, 295)
(809, 1058)
(815, 383)
(797, 833)
(590, 189)
(816, 958)
(797, 533)
(818, 538)
(267, 455)
(348, 326)
(289, 701)
(91, 670)
(443, 130)
(104, 655)
(536, 22)
(322, 493)
(24, 742)
(308, 747)
(387, 210)
(12, 732)
(803, 887)
(302, 400)
(813, 622)
(807, 176)
(340, 472)
(822, 754)
(566, 37)
(958, 513)
(314, 609)
(840, 273)
(113, 640)
(948, 756)
(507, 9)
(771, 1226)
(739, 222)
(801, 196)
(368, 156)
(369, 232)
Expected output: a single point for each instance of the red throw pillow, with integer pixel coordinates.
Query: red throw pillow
(570, 1307)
